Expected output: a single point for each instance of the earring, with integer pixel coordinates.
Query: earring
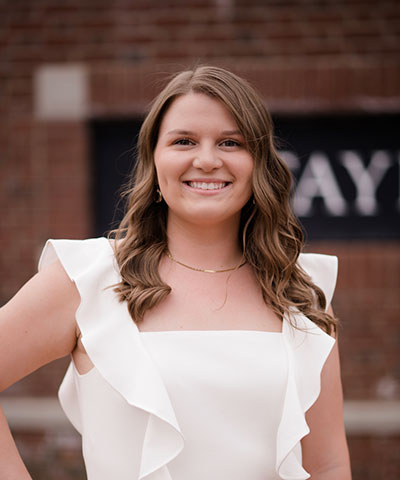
(159, 198)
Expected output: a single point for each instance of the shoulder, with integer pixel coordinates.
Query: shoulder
(322, 270)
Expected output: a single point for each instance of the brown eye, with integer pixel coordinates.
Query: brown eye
(183, 141)
(230, 143)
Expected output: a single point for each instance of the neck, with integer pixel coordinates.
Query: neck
(208, 247)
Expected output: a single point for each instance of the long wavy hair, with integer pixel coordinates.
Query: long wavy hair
(269, 234)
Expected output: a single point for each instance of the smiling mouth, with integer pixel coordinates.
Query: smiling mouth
(208, 185)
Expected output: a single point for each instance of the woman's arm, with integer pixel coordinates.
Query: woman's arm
(36, 326)
(11, 464)
(325, 452)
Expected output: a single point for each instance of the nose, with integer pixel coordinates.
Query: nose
(207, 159)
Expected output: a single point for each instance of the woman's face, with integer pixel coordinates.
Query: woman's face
(203, 167)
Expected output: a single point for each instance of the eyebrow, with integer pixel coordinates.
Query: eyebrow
(188, 132)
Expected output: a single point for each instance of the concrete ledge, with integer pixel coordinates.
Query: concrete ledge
(372, 417)
(43, 413)
(35, 413)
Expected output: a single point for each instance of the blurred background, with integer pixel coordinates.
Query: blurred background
(76, 78)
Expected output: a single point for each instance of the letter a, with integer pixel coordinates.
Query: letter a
(318, 180)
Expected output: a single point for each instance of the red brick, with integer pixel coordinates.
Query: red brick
(375, 458)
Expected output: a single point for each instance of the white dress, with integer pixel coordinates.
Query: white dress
(187, 404)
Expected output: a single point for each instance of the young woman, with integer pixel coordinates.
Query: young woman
(202, 341)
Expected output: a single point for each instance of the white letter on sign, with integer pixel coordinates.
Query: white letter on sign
(291, 159)
(318, 180)
(365, 179)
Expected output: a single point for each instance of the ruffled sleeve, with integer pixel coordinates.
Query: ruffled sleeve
(323, 272)
(307, 348)
(113, 343)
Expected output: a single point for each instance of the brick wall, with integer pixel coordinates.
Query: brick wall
(304, 56)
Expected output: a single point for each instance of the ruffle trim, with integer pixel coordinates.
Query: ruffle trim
(91, 265)
(307, 348)
(145, 388)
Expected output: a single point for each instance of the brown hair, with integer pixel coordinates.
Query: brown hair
(270, 235)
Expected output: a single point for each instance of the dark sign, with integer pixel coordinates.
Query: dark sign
(347, 171)
(347, 174)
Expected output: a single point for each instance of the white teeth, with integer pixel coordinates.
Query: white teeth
(207, 186)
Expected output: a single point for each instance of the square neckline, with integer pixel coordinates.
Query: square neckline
(216, 331)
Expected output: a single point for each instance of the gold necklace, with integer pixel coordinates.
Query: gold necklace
(204, 270)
